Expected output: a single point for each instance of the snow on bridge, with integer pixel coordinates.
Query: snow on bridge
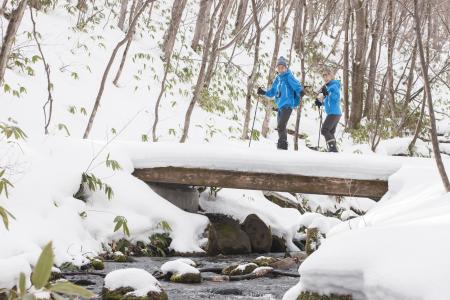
(228, 166)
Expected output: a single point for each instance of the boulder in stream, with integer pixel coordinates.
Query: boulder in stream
(132, 284)
(226, 236)
(259, 233)
(181, 271)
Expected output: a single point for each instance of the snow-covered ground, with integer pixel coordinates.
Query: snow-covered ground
(398, 250)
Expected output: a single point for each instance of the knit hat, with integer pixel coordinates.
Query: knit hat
(282, 61)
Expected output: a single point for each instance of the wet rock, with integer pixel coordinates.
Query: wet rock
(228, 291)
(285, 263)
(182, 271)
(226, 236)
(123, 293)
(264, 261)
(259, 233)
(120, 257)
(84, 282)
(227, 270)
(68, 267)
(97, 264)
(278, 244)
(244, 269)
(186, 278)
(315, 296)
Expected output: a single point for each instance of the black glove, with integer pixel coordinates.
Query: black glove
(324, 91)
(318, 103)
(261, 91)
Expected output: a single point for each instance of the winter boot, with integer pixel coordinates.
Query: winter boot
(332, 146)
(282, 145)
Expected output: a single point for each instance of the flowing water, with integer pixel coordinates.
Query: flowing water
(260, 288)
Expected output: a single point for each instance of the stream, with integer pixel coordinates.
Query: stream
(260, 288)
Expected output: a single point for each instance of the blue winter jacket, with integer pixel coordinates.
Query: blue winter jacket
(286, 89)
(332, 102)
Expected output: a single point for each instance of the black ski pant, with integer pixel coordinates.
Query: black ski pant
(282, 120)
(329, 127)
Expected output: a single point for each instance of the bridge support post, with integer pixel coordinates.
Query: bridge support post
(183, 196)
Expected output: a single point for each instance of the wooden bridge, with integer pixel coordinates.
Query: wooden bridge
(306, 172)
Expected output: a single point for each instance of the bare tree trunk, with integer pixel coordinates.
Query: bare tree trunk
(358, 66)
(346, 64)
(108, 68)
(390, 68)
(49, 102)
(373, 60)
(223, 20)
(408, 90)
(200, 78)
(434, 139)
(240, 18)
(281, 19)
(3, 7)
(254, 75)
(171, 33)
(127, 47)
(122, 14)
(11, 31)
(412, 144)
(202, 23)
(298, 22)
(302, 22)
(161, 93)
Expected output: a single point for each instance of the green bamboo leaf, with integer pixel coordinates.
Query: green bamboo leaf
(29, 297)
(67, 288)
(22, 283)
(118, 225)
(43, 268)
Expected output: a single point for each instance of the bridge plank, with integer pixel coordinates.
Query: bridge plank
(264, 181)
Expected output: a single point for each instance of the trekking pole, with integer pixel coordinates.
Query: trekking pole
(320, 127)
(253, 125)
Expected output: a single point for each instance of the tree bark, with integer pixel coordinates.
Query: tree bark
(122, 14)
(434, 139)
(240, 18)
(223, 21)
(358, 66)
(373, 60)
(254, 75)
(108, 68)
(200, 78)
(11, 31)
(202, 24)
(303, 22)
(390, 54)
(346, 64)
(171, 33)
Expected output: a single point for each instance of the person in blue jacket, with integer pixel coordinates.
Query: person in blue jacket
(286, 91)
(330, 98)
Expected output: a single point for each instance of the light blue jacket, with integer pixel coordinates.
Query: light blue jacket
(332, 102)
(286, 90)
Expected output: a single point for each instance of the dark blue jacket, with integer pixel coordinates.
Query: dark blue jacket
(332, 102)
(286, 89)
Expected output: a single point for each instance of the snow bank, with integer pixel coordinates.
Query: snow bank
(179, 266)
(140, 280)
(322, 223)
(398, 250)
(44, 207)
